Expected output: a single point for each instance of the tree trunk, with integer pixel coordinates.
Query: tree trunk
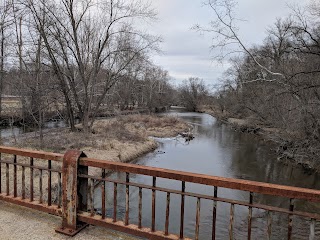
(1, 68)
(70, 113)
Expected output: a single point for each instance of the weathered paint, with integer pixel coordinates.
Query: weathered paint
(74, 200)
(70, 224)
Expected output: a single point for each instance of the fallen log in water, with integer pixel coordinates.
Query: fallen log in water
(188, 136)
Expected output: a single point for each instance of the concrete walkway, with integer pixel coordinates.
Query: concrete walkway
(23, 223)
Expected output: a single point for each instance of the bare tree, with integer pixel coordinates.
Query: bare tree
(225, 34)
(5, 24)
(89, 54)
(193, 93)
(276, 83)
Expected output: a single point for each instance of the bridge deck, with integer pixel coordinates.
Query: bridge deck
(35, 225)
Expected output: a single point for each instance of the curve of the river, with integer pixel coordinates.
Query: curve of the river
(219, 150)
(216, 150)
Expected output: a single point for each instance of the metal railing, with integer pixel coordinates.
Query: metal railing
(89, 191)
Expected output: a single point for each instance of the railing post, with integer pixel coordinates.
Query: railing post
(74, 195)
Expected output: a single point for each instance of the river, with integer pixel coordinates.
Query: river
(217, 150)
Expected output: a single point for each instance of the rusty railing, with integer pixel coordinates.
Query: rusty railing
(149, 202)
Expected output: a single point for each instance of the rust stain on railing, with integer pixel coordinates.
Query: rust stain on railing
(70, 194)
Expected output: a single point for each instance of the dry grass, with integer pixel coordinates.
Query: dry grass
(143, 125)
(119, 139)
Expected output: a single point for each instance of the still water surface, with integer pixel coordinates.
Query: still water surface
(220, 151)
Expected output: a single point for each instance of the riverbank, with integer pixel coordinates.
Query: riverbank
(287, 145)
(121, 139)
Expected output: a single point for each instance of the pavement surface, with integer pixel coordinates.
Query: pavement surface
(23, 223)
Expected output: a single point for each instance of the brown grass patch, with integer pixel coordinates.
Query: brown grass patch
(121, 139)
(143, 125)
(118, 139)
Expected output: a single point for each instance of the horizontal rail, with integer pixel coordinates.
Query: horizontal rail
(237, 184)
(32, 153)
(31, 167)
(130, 229)
(77, 202)
(202, 196)
(54, 210)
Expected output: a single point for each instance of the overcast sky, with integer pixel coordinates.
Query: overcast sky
(186, 53)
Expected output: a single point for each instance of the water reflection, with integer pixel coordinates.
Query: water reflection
(7, 132)
(221, 151)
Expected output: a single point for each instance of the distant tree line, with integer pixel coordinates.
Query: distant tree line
(193, 93)
(276, 83)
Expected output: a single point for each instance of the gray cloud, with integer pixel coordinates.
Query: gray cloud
(186, 53)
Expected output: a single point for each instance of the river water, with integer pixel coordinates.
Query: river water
(217, 150)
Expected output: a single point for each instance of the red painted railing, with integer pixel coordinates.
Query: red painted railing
(65, 185)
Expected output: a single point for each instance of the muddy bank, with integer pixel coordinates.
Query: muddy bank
(287, 145)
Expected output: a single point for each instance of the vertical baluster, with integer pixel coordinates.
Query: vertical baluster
(126, 221)
(197, 219)
(290, 220)
(89, 197)
(59, 190)
(140, 208)
(312, 229)
(49, 184)
(269, 225)
(250, 216)
(103, 195)
(166, 231)
(92, 196)
(153, 224)
(40, 186)
(183, 188)
(14, 176)
(7, 179)
(231, 222)
(115, 193)
(0, 174)
(214, 214)
(23, 183)
(31, 179)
